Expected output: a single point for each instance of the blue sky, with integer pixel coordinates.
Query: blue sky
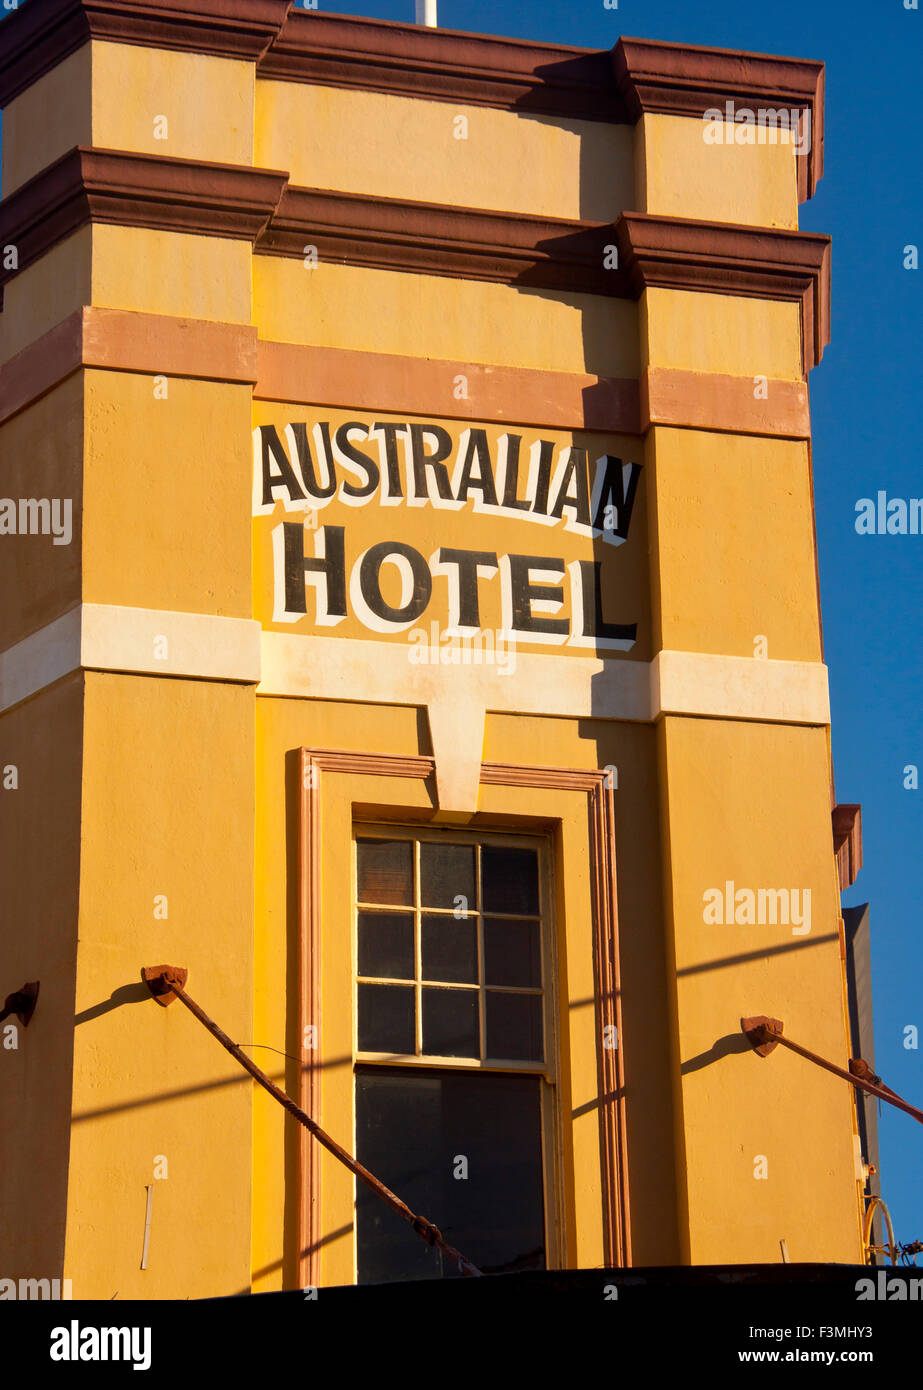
(871, 586)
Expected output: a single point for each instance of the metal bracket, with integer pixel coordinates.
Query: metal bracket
(761, 1032)
(160, 980)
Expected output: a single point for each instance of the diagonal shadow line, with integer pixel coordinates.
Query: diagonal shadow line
(278, 1077)
(745, 956)
(328, 1239)
(720, 964)
(607, 1099)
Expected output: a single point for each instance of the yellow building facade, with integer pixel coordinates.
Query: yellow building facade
(434, 665)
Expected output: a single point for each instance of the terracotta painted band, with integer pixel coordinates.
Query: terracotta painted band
(426, 386)
(725, 404)
(123, 340)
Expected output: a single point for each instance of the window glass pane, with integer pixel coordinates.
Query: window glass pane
(410, 1125)
(385, 871)
(514, 1027)
(450, 949)
(386, 945)
(386, 1019)
(450, 1022)
(447, 873)
(512, 953)
(509, 880)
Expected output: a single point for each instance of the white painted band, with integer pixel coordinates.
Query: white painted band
(202, 646)
(694, 683)
(105, 637)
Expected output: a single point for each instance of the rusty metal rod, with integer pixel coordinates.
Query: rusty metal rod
(425, 1229)
(764, 1035)
(883, 1093)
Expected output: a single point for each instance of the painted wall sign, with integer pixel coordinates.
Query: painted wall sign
(376, 524)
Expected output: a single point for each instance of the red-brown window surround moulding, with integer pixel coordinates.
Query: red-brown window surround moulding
(258, 205)
(295, 45)
(611, 1107)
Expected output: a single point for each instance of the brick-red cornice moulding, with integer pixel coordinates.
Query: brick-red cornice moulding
(445, 65)
(43, 33)
(136, 190)
(257, 205)
(298, 45)
(682, 81)
(720, 258)
(438, 239)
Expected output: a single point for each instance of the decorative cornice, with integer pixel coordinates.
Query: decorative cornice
(679, 80)
(439, 239)
(412, 60)
(720, 258)
(136, 190)
(44, 32)
(558, 254)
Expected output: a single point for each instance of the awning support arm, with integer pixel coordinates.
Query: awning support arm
(166, 983)
(763, 1034)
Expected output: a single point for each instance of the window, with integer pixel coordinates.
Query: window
(453, 1082)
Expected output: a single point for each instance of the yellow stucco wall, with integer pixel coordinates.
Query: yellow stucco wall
(681, 174)
(40, 856)
(733, 561)
(48, 119)
(437, 316)
(162, 531)
(389, 146)
(46, 292)
(177, 273)
(167, 813)
(41, 449)
(750, 803)
(721, 333)
(184, 105)
(137, 268)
